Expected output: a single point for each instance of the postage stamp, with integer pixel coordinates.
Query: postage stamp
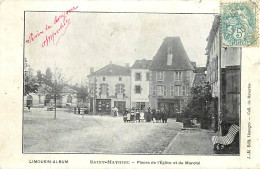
(239, 24)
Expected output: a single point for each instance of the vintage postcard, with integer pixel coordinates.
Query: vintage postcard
(133, 84)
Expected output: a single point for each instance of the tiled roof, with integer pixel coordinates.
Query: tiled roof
(141, 64)
(180, 59)
(200, 70)
(112, 69)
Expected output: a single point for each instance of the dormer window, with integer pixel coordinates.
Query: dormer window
(169, 56)
(169, 59)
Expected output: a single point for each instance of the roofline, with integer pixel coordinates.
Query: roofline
(170, 69)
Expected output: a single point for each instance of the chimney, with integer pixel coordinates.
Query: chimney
(110, 62)
(91, 70)
(127, 65)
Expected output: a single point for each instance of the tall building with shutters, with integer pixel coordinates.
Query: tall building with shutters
(109, 87)
(140, 78)
(223, 74)
(171, 76)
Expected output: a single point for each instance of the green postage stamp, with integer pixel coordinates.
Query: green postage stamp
(239, 24)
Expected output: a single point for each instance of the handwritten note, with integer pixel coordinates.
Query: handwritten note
(56, 34)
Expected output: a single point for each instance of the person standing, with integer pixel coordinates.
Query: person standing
(29, 107)
(132, 115)
(128, 116)
(149, 115)
(137, 115)
(116, 112)
(113, 111)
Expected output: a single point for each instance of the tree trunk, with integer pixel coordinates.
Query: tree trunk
(55, 108)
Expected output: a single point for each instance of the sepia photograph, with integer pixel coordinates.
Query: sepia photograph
(131, 83)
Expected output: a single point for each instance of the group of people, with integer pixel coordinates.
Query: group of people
(137, 115)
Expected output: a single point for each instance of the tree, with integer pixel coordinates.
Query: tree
(82, 93)
(30, 82)
(197, 104)
(30, 85)
(54, 85)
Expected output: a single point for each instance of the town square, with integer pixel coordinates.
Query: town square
(131, 84)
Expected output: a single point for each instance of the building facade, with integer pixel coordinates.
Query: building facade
(171, 77)
(109, 87)
(223, 74)
(140, 78)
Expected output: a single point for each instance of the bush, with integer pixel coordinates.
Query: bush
(186, 122)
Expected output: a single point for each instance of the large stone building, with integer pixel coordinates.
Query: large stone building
(171, 76)
(109, 87)
(140, 78)
(223, 74)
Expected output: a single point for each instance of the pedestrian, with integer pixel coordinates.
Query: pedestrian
(29, 107)
(128, 116)
(78, 109)
(137, 115)
(148, 115)
(132, 115)
(112, 111)
(116, 111)
(125, 115)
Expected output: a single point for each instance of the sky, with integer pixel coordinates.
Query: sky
(94, 39)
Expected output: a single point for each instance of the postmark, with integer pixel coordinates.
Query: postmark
(239, 24)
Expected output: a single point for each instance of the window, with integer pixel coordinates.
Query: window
(104, 78)
(103, 89)
(120, 88)
(120, 78)
(178, 75)
(177, 90)
(159, 90)
(154, 91)
(159, 75)
(147, 76)
(184, 90)
(169, 59)
(138, 89)
(165, 91)
(140, 105)
(137, 76)
(172, 90)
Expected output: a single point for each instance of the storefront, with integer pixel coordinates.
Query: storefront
(171, 106)
(103, 105)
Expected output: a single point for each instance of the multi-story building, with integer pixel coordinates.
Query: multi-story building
(171, 76)
(109, 87)
(140, 77)
(223, 74)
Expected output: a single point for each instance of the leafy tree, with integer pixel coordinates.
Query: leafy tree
(82, 93)
(30, 82)
(197, 104)
(54, 86)
(30, 85)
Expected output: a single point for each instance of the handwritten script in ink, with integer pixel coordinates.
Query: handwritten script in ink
(56, 34)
